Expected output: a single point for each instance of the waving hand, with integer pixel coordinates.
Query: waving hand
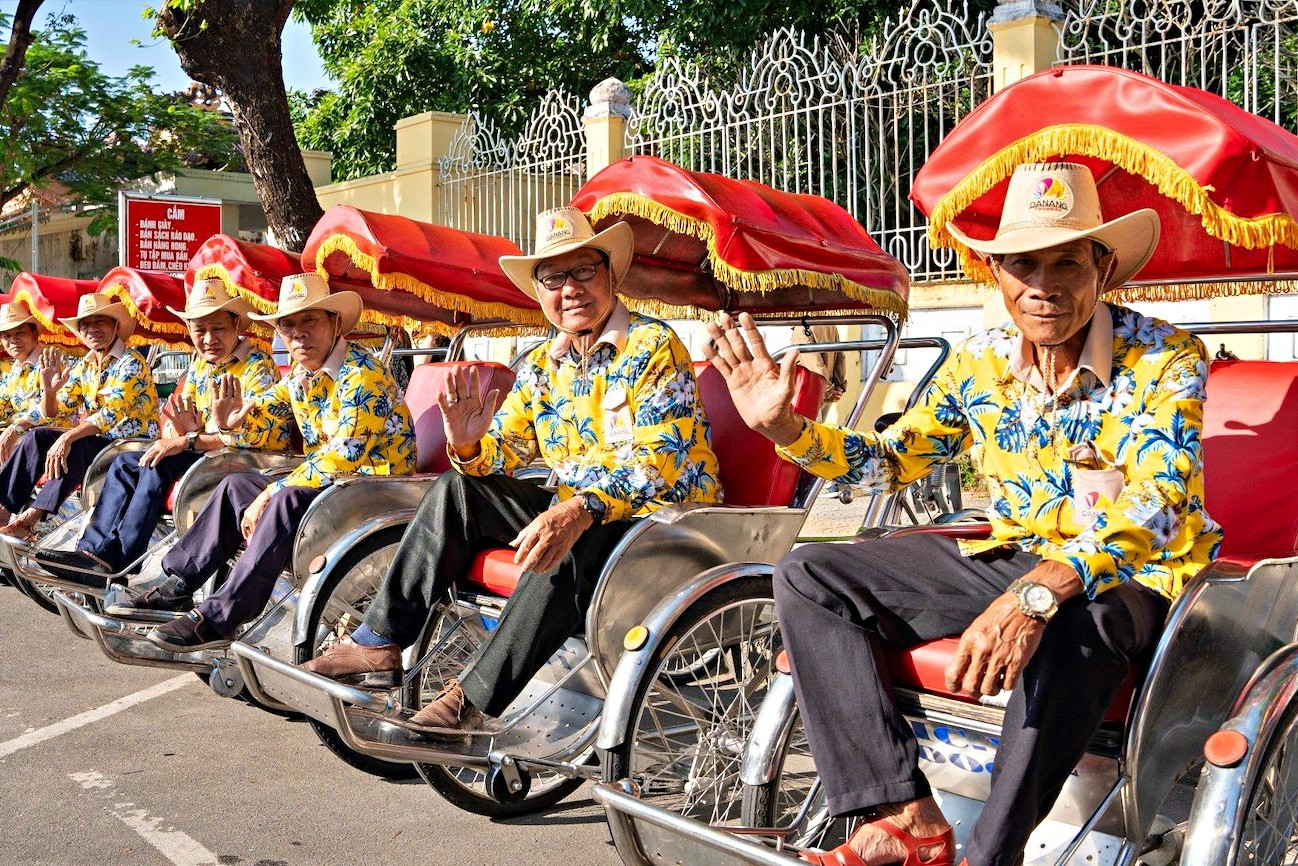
(761, 389)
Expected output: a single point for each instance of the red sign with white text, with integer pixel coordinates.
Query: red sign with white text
(163, 235)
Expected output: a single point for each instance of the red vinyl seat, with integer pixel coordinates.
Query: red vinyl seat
(1250, 445)
(427, 383)
(752, 474)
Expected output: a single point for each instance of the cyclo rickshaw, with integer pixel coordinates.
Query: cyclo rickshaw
(145, 295)
(420, 276)
(1194, 762)
(702, 243)
(49, 299)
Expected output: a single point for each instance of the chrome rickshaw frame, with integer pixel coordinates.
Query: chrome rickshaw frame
(552, 727)
(1215, 717)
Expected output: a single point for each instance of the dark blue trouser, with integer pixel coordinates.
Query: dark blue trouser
(130, 505)
(215, 537)
(26, 465)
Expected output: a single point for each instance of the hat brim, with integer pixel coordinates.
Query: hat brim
(236, 305)
(617, 242)
(118, 311)
(30, 320)
(347, 304)
(1132, 237)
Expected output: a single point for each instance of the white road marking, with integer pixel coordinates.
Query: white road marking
(178, 847)
(80, 720)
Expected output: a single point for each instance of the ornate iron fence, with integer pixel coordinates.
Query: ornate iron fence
(1244, 50)
(496, 183)
(852, 124)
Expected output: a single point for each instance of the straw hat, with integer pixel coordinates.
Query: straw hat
(301, 292)
(1052, 203)
(15, 315)
(211, 296)
(562, 230)
(99, 304)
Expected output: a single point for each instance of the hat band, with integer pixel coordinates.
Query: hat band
(1027, 225)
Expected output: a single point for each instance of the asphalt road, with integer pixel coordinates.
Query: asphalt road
(172, 775)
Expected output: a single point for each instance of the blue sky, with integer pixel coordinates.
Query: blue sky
(110, 26)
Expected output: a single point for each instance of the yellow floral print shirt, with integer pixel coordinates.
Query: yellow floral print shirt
(116, 394)
(351, 420)
(629, 428)
(257, 375)
(20, 393)
(1141, 411)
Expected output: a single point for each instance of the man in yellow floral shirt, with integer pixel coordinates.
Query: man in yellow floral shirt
(345, 403)
(1088, 419)
(20, 381)
(135, 492)
(110, 389)
(611, 405)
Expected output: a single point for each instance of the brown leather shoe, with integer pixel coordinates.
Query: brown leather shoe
(445, 714)
(348, 662)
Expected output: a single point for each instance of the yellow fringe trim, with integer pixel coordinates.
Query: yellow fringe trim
(634, 204)
(1200, 291)
(406, 283)
(1135, 157)
(54, 330)
(120, 292)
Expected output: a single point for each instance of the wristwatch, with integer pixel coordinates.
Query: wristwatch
(190, 438)
(594, 506)
(1035, 599)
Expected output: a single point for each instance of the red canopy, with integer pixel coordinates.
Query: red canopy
(707, 242)
(441, 278)
(1224, 181)
(51, 299)
(147, 294)
(252, 270)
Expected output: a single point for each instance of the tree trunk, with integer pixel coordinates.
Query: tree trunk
(19, 38)
(238, 51)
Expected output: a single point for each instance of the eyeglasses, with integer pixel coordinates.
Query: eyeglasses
(581, 273)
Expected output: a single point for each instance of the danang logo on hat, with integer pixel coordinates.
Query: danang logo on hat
(1051, 195)
(297, 291)
(559, 228)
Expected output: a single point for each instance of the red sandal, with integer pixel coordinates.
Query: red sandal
(843, 855)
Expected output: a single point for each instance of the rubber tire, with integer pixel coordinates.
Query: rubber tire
(475, 799)
(391, 770)
(616, 761)
(1282, 733)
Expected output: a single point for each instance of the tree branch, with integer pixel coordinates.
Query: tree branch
(19, 39)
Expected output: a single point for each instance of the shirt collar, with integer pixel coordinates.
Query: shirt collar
(615, 334)
(1097, 353)
(334, 363)
(115, 351)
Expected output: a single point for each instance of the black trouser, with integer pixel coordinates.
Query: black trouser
(215, 536)
(838, 604)
(129, 506)
(26, 465)
(459, 517)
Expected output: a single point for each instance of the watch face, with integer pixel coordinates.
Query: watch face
(1039, 598)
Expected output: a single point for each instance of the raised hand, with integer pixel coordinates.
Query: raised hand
(53, 373)
(761, 389)
(229, 409)
(466, 416)
(185, 418)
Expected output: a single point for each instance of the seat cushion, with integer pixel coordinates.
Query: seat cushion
(427, 383)
(922, 668)
(752, 473)
(1250, 453)
(171, 496)
(493, 572)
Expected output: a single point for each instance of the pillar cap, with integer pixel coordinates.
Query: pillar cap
(1016, 10)
(609, 98)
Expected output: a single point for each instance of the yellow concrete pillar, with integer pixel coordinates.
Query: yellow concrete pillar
(605, 120)
(1025, 39)
(1241, 308)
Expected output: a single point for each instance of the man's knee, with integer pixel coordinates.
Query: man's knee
(801, 573)
(237, 485)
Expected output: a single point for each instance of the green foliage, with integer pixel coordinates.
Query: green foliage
(68, 123)
(395, 58)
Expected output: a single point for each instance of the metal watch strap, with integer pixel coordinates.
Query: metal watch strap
(1017, 587)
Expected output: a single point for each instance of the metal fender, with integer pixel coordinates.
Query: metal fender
(770, 733)
(336, 553)
(633, 665)
(1221, 800)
